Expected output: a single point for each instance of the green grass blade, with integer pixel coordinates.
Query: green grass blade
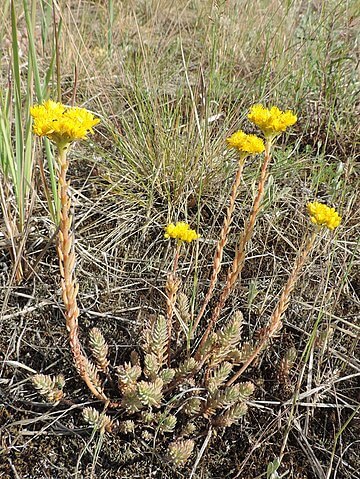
(19, 135)
(41, 93)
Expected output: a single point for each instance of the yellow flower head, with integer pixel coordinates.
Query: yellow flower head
(245, 144)
(62, 124)
(271, 121)
(323, 215)
(181, 231)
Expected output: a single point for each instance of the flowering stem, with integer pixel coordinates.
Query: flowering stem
(238, 262)
(222, 241)
(171, 287)
(275, 324)
(69, 286)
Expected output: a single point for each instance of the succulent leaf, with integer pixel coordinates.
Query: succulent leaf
(49, 387)
(180, 451)
(99, 348)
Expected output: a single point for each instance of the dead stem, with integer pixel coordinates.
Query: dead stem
(13, 233)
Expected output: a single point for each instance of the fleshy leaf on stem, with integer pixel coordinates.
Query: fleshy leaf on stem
(150, 393)
(231, 415)
(128, 376)
(227, 340)
(102, 422)
(49, 387)
(99, 348)
(218, 376)
(180, 451)
(156, 339)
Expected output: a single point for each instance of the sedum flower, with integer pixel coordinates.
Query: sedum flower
(323, 215)
(245, 144)
(181, 231)
(271, 121)
(62, 124)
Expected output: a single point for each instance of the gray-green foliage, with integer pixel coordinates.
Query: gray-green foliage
(162, 398)
(49, 387)
(99, 348)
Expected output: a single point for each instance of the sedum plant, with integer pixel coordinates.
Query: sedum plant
(63, 126)
(184, 380)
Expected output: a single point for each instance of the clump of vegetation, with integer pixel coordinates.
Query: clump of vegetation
(226, 344)
(184, 380)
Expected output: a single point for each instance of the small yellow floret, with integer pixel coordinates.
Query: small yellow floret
(62, 124)
(249, 144)
(271, 121)
(323, 215)
(181, 231)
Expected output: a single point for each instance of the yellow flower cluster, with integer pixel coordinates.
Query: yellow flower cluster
(61, 124)
(323, 215)
(181, 231)
(271, 121)
(246, 144)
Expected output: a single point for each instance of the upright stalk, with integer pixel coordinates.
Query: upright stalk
(238, 262)
(222, 241)
(171, 287)
(275, 324)
(66, 255)
(70, 287)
